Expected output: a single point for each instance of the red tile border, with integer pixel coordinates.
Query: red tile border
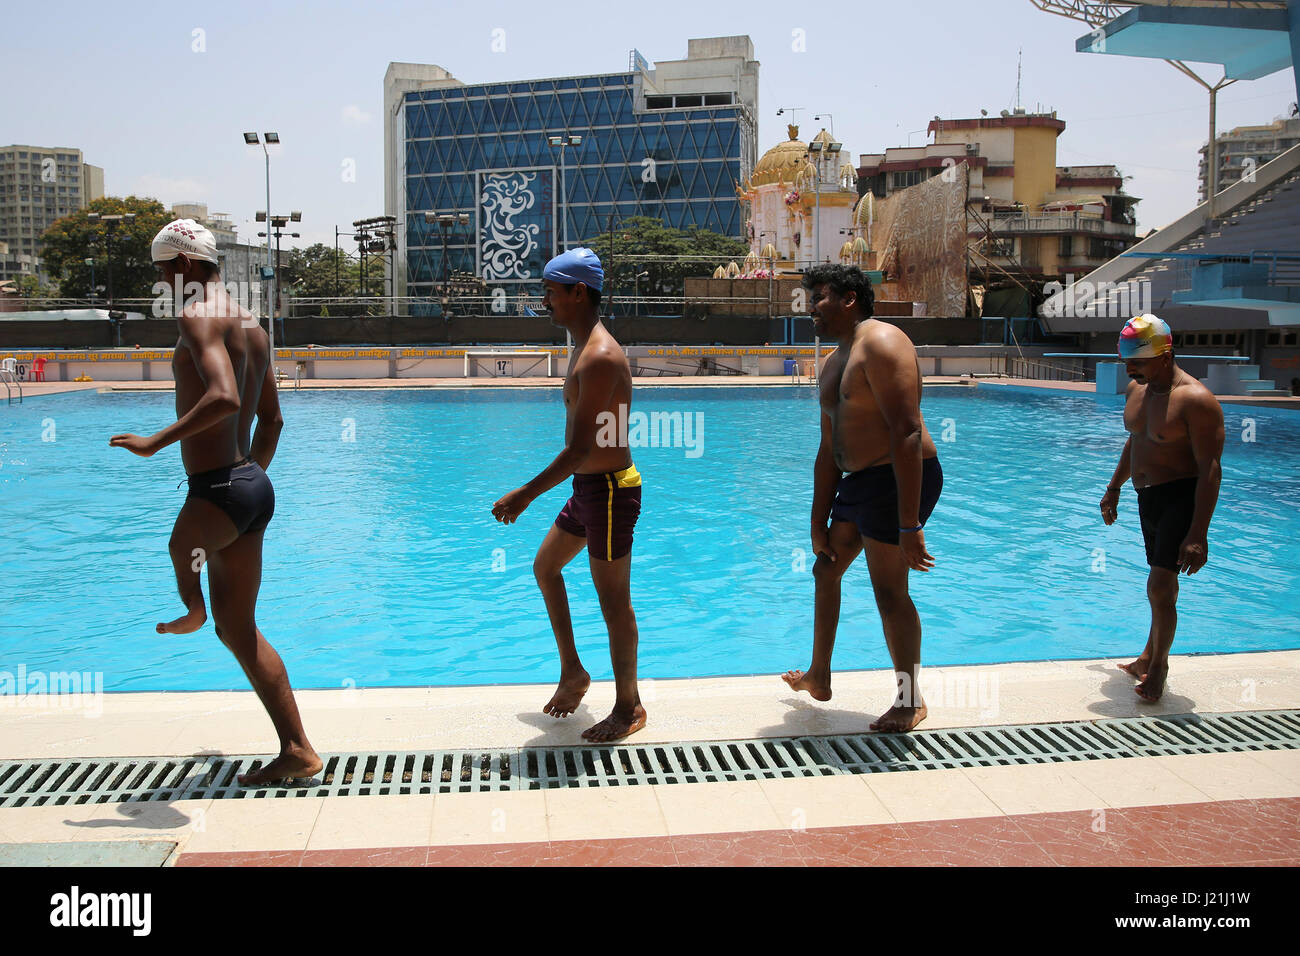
(1221, 833)
(243, 858)
(880, 845)
(380, 856)
(754, 848)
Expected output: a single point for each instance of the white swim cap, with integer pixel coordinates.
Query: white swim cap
(184, 236)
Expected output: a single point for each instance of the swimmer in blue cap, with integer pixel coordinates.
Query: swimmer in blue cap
(1175, 439)
(606, 502)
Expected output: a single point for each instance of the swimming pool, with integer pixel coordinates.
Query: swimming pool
(384, 566)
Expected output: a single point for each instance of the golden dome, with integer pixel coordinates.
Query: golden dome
(782, 162)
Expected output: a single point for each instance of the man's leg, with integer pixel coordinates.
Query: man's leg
(902, 626)
(235, 577)
(613, 586)
(201, 530)
(1162, 592)
(557, 550)
(847, 545)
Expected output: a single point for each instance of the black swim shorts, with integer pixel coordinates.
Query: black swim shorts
(241, 490)
(1166, 512)
(869, 499)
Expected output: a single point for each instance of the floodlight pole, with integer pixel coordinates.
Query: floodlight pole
(270, 304)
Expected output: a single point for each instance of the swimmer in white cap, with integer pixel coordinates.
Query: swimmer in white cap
(606, 501)
(224, 377)
(1175, 441)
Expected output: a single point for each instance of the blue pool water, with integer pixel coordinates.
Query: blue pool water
(384, 566)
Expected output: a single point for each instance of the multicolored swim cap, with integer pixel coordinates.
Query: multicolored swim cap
(576, 265)
(1144, 337)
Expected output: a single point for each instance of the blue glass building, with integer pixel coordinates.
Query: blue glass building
(673, 143)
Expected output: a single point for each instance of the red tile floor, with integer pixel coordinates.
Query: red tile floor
(1222, 833)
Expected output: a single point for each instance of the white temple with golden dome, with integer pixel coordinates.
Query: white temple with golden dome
(802, 207)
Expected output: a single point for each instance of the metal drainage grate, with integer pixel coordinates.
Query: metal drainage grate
(163, 779)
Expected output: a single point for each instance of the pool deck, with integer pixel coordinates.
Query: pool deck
(1219, 809)
(1239, 808)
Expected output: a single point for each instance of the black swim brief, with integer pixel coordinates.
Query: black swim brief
(241, 490)
(603, 509)
(869, 499)
(1166, 511)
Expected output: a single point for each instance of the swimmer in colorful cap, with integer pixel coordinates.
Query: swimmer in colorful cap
(1172, 454)
(606, 501)
(1145, 337)
(224, 379)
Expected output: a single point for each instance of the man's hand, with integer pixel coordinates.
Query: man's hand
(1193, 553)
(509, 507)
(136, 444)
(1110, 505)
(821, 543)
(914, 553)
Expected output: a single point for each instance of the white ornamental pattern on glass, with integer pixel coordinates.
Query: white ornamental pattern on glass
(507, 244)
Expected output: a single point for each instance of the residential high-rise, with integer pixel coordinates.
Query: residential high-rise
(673, 142)
(1244, 149)
(39, 184)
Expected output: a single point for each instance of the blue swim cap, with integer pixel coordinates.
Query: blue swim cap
(574, 266)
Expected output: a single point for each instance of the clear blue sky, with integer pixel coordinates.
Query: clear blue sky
(123, 82)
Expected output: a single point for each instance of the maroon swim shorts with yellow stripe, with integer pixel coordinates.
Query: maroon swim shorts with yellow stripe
(604, 509)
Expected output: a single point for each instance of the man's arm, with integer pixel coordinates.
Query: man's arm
(892, 376)
(595, 384)
(1204, 418)
(270, 421)
(826, 475)
(894, 379)
(1123, 471)
(220, 399)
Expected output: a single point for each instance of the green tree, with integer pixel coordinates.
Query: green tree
(70, 241)
(634, 243)
(30, 287)
(309, 273)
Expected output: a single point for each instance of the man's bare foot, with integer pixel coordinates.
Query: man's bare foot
(616, 726)
(1153, 684)
(187, 624)
(292, 763)
(568, 695)
(899, 719)
(1137, 669)
(799, 680)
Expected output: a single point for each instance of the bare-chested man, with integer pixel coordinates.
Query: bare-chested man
(224, 376)
(606, 500)
(1175, 441)
(871, 428)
